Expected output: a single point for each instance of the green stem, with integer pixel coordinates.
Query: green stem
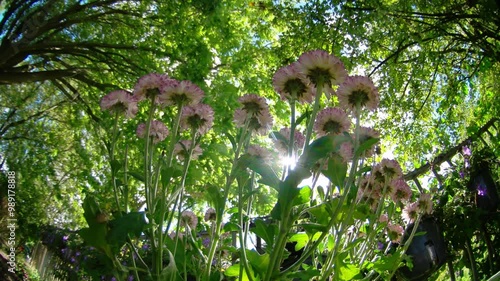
(113, 169)
(407, 243)
(244, 134)
(173, 140)
(187, 161)
(347, 188)
(149, 197)
(243, 230)
(317, 99)
(291, 140)
(125, 179)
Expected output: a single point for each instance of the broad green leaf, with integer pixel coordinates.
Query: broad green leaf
(96, 237)
(268, 176)
(170, 270)
(260, 263)
(367, 144)
(387, 263)
(137, 175)
(303, 196)
(349, 272)
(336, 171)
(233, 270)
(131, 224)
(116, 165)
(91, 210)
(320, 213)
(301, 238)
(266, 231)
(304, 275)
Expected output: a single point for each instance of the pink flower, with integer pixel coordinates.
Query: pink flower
(366, 133)
(395, 232)
(333, 121)
(199, 118)
(180, 93)
(188, 218)
(358, 90)
(174, 235)
(181, 149)
(259, 152)
(210, 214)
(282, 144)
(424, 203)
(320, 65)
(383, 218)
(290, 83)
(369, 186)
(346, 151)
(254, 113)
(386, 171)
(402, 191)
(410, 212)
(120, 101)
(149, 86)
(158, 131)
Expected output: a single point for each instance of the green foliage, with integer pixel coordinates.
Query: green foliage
(436, 65)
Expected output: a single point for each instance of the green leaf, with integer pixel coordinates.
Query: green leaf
(91, 210)
(367, 144)
(130, 224)
(231, 226)
(362, 211)
(268, 177)
(116, 165)
(96, 237)
(266, 231)
(233, 270)
(303, 117)
(312, 228)
(348, 272)
(137, 175)
(170, 270)
(320, 213)
(259, 263)
(301, 238)
(303, 196)
(232, 140)
(387, 263)
(337, 170)
(304, 275)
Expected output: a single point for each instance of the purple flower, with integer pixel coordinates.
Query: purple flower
(65, 238)
(130, 278)
(466, 151)
(380, 245)
(482, 190)
(206, 242)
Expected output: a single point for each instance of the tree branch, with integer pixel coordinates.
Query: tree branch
(22, 77)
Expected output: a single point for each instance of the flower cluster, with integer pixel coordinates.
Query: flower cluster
(282, 143)
(361, 209)
(253, 114)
